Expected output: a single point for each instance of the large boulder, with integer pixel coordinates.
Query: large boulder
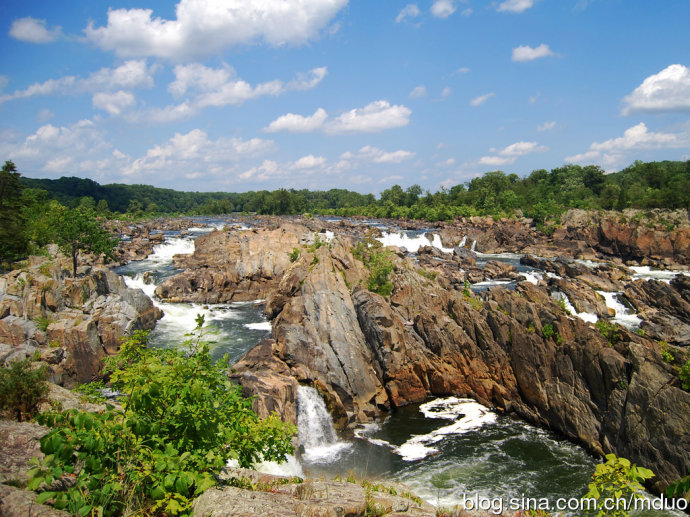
(234, 266)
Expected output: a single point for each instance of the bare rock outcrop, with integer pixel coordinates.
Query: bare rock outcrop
(277, 496)
(72, 323)
(234, 266)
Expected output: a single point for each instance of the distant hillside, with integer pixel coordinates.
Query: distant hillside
(540, 194)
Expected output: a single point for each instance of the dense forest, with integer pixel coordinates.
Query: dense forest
(540, 194)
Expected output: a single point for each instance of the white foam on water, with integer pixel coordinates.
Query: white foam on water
(647, 273)
(468, 415)
(327, 235)
(364, 430)
(532, 277)
(489, 283)
(289, 468)
(474, 245)
(624, 315)
(584, 316)
(164, 252)
(315, 431)
(463, 241)
(203, 229)
(412, 244)
(264, 325)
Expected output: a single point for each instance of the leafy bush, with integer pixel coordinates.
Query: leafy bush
(684, 375)
(294, 254)
(379, 263)
(22, 389)
(665, 352)
(680, 487)
(609, 331)
(547, 331)
(616, 479)
(182, 420)
(562, 305)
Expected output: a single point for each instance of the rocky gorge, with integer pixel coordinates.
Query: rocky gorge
(517, 347)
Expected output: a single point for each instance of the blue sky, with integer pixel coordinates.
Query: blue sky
(240, 95)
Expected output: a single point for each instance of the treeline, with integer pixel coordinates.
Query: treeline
(148, 200)
(540, 195)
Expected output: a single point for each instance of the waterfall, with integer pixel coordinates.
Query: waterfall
(315, 432)
(463, 241)
(624, 315)
(474, 245)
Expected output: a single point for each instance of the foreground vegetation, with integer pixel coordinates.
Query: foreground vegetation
(181, 421)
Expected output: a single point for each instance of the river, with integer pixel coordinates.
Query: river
(444, 450)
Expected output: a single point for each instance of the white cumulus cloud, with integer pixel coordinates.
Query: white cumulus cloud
(511, 153)
(204, 27)
(113, 103)
(195, 152)
(294, 123)
(372, 118)
(443, 8)
(409, 11)
(669, 90)
(374, 154)
(32, 30)
(616, 150)
(309, 162)
(132, 74)
(527, 53)
(546, 126)
(515, 6)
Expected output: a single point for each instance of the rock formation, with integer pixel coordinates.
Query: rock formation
(516, 350)
(72, 323)
(233, 266)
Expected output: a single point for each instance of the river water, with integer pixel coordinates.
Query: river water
(444, 450)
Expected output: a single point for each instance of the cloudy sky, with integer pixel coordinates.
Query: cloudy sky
(240, 95)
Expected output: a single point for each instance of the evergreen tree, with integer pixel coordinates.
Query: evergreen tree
(13, 242)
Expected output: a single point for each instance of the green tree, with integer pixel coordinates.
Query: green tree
(181, 420)
(22, 389)
(78, 230)
(13, 242)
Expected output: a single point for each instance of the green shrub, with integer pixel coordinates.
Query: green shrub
(294, 254)
(379, 263)
(614, 480)
(547, 331)
(609, 331)
(42, 323)
(181, 421)
(665, 352)
(562, 305)
(679, 488)
(22, 388)
(684, 375)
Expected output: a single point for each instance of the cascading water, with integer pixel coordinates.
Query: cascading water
(238, 325)
(624, 315)
(412, 241)
(315, 432)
